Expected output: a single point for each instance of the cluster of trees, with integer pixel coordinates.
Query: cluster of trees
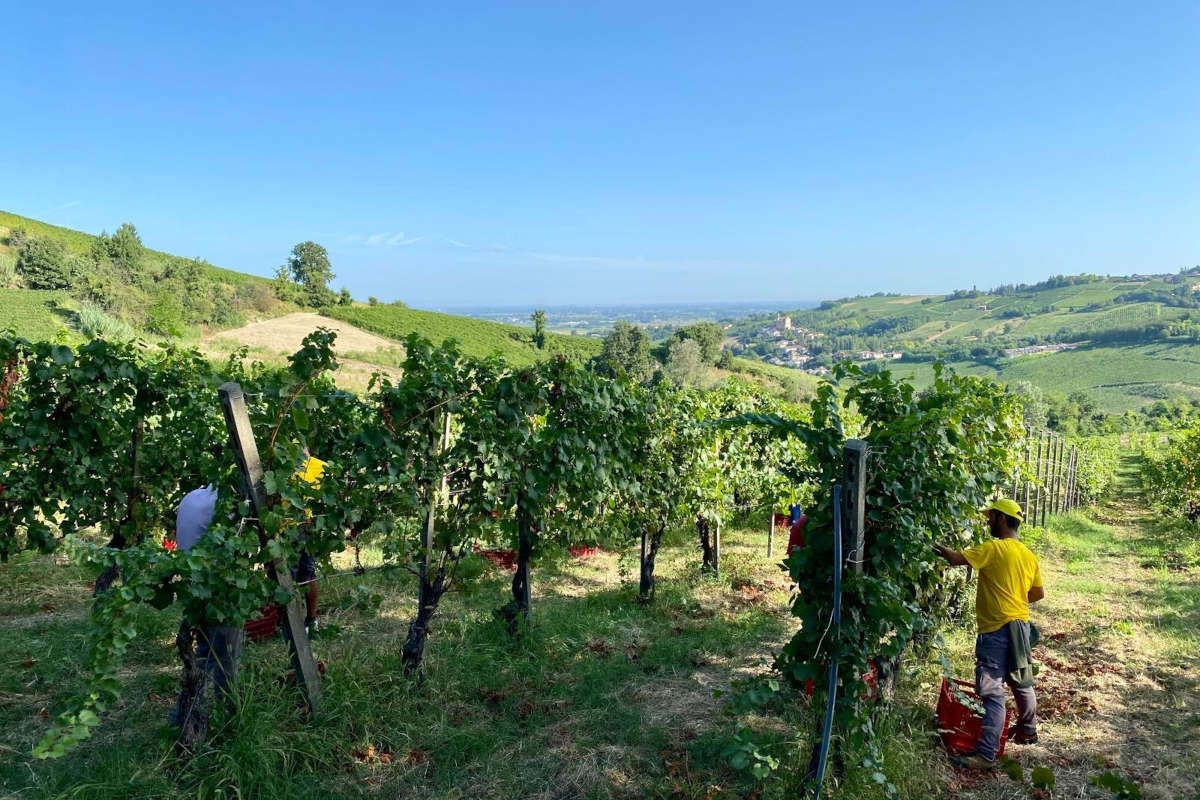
(1053, 282)
(1077, 414)
(682, 360)
(304, 278)
(118, 276)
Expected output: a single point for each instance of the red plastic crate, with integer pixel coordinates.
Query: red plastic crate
(505, 559)
(264, 626)
(960, 726)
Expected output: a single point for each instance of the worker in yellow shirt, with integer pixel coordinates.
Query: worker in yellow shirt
(1009, 580)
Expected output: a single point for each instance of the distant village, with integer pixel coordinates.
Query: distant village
(793, 348)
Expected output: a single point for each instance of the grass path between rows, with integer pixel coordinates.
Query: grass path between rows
(1119, 679)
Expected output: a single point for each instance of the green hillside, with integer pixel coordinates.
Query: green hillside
(1132, 338)
(477, 337)
(115, 279)
(79, 243)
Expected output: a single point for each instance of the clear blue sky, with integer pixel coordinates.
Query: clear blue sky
(452, 154)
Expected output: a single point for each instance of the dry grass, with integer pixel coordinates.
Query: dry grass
(285, 334)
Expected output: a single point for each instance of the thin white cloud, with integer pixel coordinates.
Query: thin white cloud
(71, 204)
(400, 240)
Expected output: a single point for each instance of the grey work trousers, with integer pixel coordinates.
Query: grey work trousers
(993, 659)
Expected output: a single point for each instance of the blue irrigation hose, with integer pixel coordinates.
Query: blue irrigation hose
(831, 695)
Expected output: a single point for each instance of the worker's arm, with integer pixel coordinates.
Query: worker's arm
(1036, 593)
(955, 558)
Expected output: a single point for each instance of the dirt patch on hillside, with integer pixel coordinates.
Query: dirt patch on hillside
(940, 334)
(284, 334)
(904, 301)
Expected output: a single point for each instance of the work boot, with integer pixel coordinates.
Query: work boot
(973, 760)
(1018, 735)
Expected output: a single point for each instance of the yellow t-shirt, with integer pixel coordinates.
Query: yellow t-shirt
(1007, 571)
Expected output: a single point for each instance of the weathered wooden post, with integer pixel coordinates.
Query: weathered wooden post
(771, 531)
(245, 452)
(1039, 516)
(1025, 505)
(1071, 479)
(1037, 485)
(1053, 477)
(1058, 465)
(854, 498)
(717, 547)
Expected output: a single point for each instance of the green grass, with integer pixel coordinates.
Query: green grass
(477, 337)
(36, 314)
(601, 699)
(791, 383)
(1118, 378)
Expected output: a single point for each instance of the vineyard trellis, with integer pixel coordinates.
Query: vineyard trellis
(459, 451)
(1050, 482)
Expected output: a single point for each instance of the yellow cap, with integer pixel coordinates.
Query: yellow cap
(312, 470)
(1006, 506)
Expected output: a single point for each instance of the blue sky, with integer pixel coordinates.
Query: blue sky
(468, 154)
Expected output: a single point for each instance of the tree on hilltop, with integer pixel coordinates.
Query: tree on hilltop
(309, 266)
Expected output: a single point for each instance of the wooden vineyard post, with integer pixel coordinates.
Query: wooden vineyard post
(771, 531)
(1046, 475)
(1071, 479)
(717, 548)
(854, 498)
(1037, 478)
(1064, 459)
(1025, 505)
(245, 452)
(1016, 478)
(1054, 475)
(1058, 459)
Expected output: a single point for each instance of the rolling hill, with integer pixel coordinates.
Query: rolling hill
(477, 337)
(369, 333)
(1126, 341)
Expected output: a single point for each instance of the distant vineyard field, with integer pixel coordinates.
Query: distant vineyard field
(1118, 378)
(35, 314)
(478, 338)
